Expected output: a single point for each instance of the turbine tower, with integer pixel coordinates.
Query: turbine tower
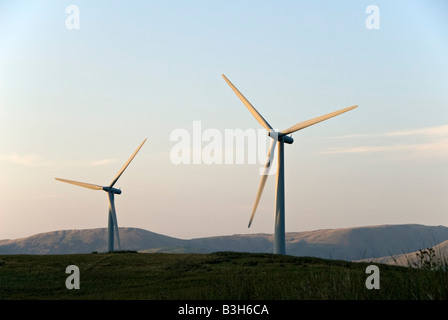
(111, 191)
(280, 138)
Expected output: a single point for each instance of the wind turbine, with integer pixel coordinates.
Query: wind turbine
(111, 191)
(280, 138)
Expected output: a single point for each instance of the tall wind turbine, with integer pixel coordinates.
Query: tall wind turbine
(111, 191)
(280, 138)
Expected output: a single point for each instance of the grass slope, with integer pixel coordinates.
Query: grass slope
(216, 276)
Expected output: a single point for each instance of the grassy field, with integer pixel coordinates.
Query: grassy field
(216, 276)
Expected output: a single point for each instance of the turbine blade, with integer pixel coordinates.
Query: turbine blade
(82, 184)
(114, 217)
(264, 177)
(126, 165)
(310, 122)
(252, 110)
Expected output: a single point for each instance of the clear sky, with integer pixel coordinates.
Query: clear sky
(76, 103)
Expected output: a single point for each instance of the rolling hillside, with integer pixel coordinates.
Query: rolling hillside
(344, 243)
(85, 241)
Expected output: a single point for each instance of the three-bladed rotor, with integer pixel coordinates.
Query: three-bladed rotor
(111, 191)
(278, 137)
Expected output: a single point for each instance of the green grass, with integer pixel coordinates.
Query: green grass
(217, 276)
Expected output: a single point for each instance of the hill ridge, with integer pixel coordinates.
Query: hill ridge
(355, 243)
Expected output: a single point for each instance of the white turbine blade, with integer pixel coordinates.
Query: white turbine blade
(310, 122)
(126, 165)
(82, 184)
(114, 217)
(264, 177)
(252, 110)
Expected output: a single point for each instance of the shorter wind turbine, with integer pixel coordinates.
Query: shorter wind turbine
(280, 138)
(111, 191)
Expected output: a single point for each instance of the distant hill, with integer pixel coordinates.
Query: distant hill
(342, 243)
(440, 252)
(85, 241)
(358, 243)
(365, 242)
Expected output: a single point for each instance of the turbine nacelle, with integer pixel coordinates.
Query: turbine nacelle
(287, 139)
(113, 190)
(278, 136)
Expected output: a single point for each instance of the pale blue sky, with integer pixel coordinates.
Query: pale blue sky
(75, 104)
